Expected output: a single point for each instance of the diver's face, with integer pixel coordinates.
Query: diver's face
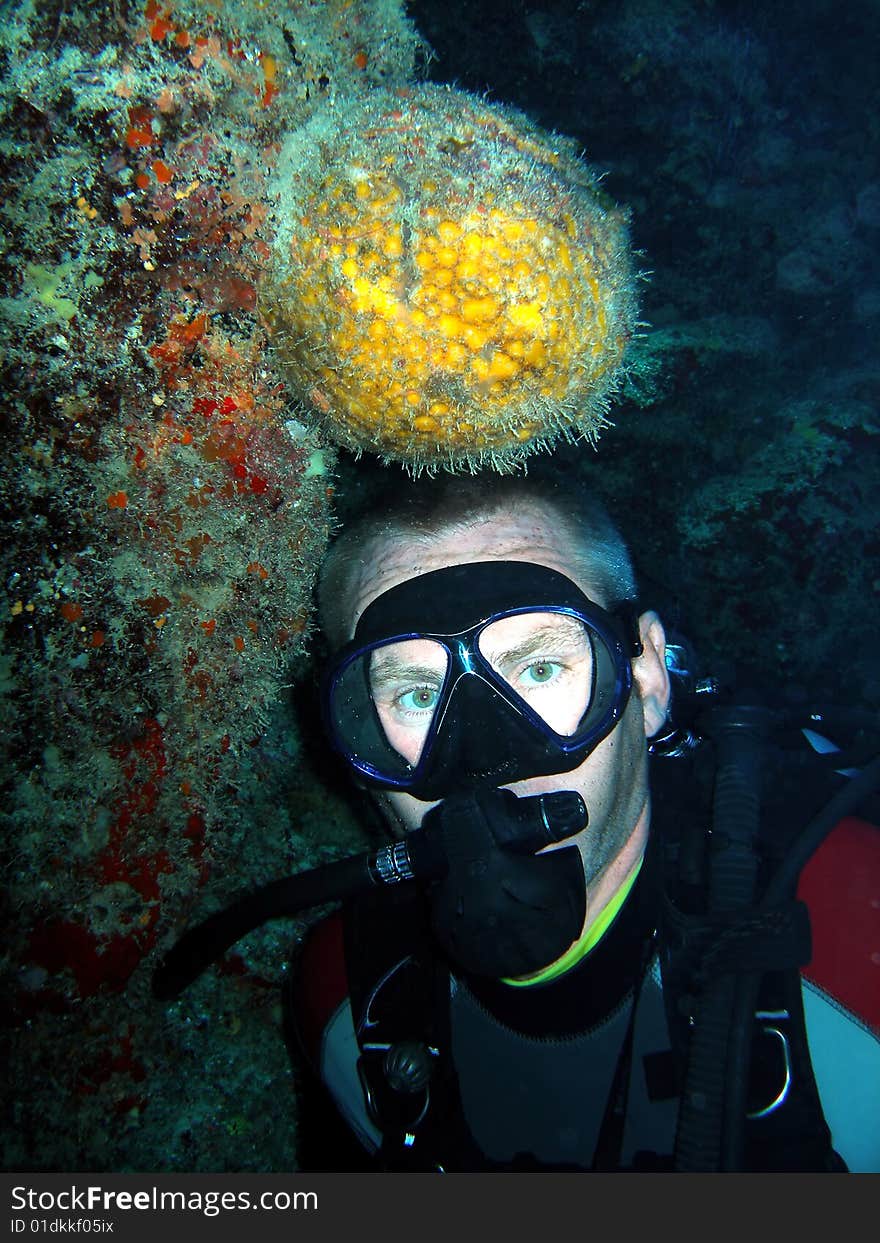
(612, 780)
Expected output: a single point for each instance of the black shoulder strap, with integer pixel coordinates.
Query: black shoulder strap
(400, 992)
(756, 953)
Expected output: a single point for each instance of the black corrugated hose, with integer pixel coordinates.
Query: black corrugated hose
(710, 1135)
(739, 732)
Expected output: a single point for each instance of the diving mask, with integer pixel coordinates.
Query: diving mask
(479, 674)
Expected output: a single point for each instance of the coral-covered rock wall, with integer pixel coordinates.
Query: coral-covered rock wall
(166, 513)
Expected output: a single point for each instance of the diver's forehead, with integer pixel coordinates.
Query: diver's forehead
(530, 536)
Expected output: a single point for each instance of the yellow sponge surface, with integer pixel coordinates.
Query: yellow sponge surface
(450, 288)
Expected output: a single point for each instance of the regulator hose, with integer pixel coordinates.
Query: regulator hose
(532, 824)
(209, 940)
(739, 732)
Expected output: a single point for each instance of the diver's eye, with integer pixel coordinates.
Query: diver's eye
(418, 699)
(540, 672)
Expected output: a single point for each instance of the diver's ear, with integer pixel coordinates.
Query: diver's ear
(650, 672)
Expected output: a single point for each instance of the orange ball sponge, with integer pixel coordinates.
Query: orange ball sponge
(450, 287)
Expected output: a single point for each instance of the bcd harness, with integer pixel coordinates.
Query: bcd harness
(402, 1003)
(712, 962)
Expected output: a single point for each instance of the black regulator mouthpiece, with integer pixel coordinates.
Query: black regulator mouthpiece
(501, 910)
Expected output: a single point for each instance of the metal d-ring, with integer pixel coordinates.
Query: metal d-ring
(786, 1058)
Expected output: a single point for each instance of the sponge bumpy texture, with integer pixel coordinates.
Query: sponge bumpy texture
(451, 287)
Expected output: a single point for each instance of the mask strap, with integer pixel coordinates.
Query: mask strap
(628, 613)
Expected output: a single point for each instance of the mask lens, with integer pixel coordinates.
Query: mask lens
(384, 702)
(405, 680)
(547, 660)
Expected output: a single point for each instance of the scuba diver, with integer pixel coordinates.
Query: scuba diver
(564, 961)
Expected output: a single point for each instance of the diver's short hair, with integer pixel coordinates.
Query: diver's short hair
(424, 508)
